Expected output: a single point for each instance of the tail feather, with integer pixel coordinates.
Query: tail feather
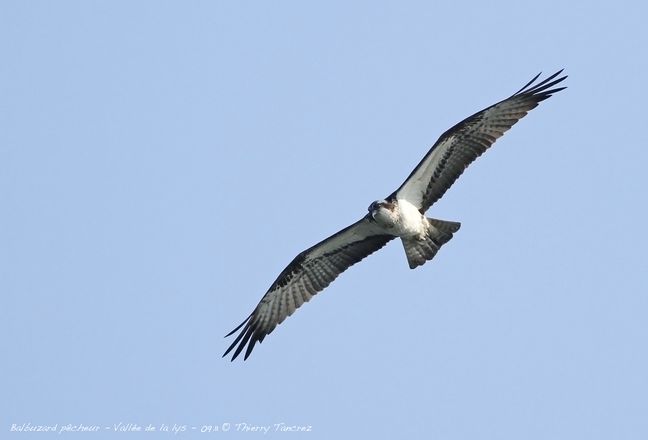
(444, 225)
(439, 233)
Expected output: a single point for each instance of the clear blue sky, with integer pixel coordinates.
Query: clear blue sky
(161, 162)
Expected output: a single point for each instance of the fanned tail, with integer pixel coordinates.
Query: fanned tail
(439, 233)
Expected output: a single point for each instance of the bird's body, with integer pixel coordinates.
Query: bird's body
(400, 215)
(400, 218)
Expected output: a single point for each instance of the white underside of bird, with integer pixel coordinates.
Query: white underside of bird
(422, 237)
(403, 219)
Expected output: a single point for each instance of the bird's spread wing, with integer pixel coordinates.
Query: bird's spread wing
(462, 144)
(309, 273)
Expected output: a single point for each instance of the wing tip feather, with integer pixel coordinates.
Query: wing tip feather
(242, 338)
(542, 90)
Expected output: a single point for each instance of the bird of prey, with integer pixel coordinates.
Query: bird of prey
(400, 215)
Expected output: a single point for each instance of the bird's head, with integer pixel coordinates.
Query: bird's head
(380, 204)
(375, 205)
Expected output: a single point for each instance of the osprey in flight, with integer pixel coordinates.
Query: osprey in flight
(400, 215)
